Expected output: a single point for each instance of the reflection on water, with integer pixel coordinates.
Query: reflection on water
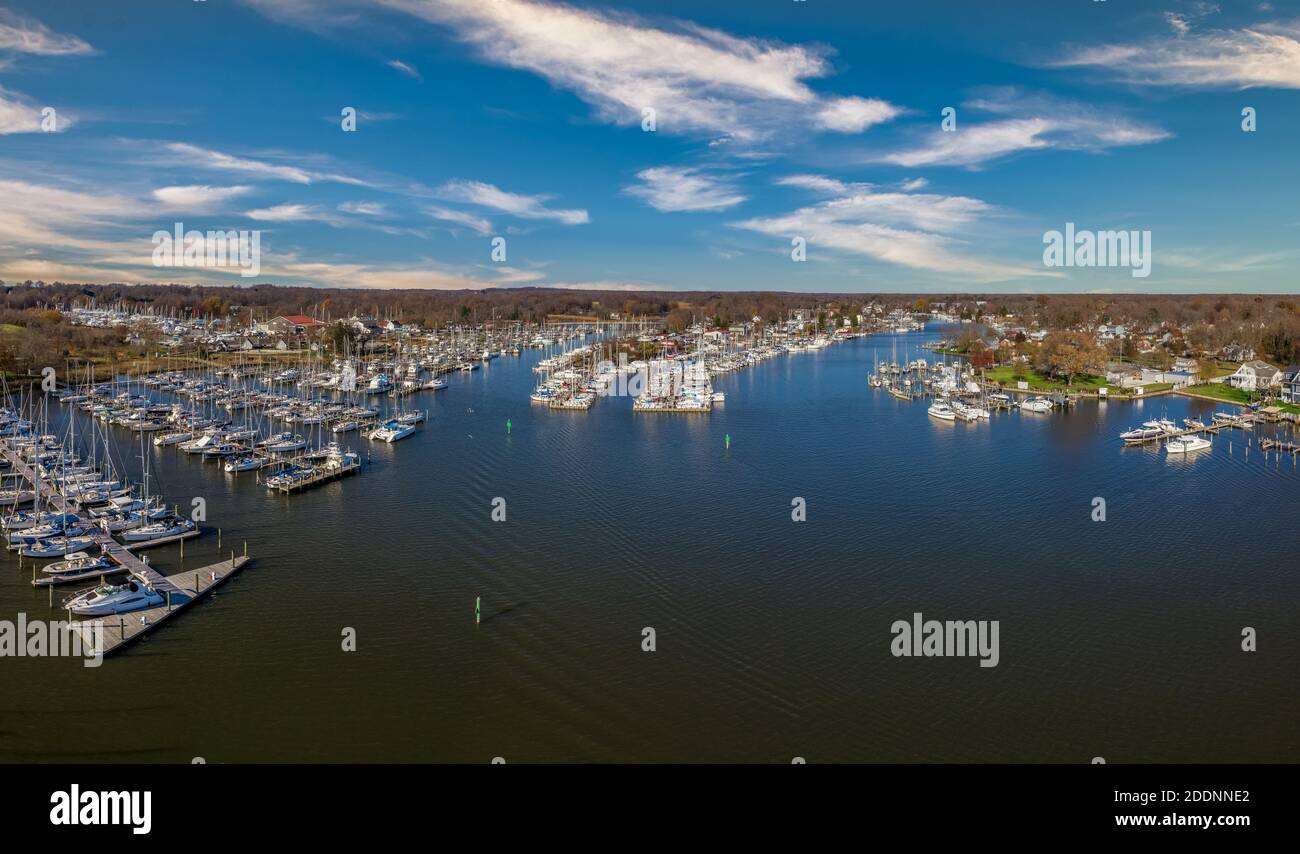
(1118, 639)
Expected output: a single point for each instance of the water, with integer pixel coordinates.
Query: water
(1118, 639)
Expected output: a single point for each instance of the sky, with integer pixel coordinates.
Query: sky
(796, 145)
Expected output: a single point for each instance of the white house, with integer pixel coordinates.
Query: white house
(1255, 375)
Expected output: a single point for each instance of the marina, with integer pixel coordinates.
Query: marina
(693, 520)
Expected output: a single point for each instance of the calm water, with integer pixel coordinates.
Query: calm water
(1118, 639)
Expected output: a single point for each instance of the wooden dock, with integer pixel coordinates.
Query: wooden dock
(181, 590)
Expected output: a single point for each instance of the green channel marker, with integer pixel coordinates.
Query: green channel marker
(507, 426)
(477, 613)
(728, 441)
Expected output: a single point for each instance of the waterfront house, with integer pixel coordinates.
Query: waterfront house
(1179, 379)
(1255, 375)
(1290, 389)
(1124, 375)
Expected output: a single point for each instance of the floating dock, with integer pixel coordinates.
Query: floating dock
(181, 590)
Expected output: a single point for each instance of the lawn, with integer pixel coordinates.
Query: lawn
(1009, 376)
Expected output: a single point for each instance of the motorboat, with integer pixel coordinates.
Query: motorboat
(58, 546)
(105, 599)
(248, 463)
(1036, 404)
(80, 563)
(392, 431)
(172, 438)
(942, 411)
(1187, 444)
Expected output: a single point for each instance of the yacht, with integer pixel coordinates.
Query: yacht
(58, 546)
(1186, 444)
(106, 599)
(943, 411)
(1036, 404)
(392, 431)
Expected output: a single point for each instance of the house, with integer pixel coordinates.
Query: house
(1179, 379)
(291, 324)
(1291, 384)
(1255, 375)
(1183, 363)
(1124, 375)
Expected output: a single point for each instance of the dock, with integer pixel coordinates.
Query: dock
(182, 590)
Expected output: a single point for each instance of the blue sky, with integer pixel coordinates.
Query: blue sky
(773, 120)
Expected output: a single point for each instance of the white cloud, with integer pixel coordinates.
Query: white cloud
(364, 208)
(822, 184)
(408, 70)
(854, 115)
(206, 158)
(1265, 55)
(197, 198)
(288, 213)
(672, 188)
(698, 80)
(24, 35)
(1031, 122)
(899, 228)
(515, 204)
(477, 224)
(18, 114)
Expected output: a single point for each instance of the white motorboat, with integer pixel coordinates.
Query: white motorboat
(57, 546)
(172, 438)
(1186, 444)
(410, 418)
(105, 599)
(942, 411)
(239, 464)
(435, 384)
(1036, 404)
(79, 563)
(392, 431)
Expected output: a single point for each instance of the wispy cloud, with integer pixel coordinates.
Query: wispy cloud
(24, 35)
(697, 80)
(364, 208)
(405, 68)
(18, 114)
(674, 188)
(911, 230)
(205, 158)
(1023, 122)
(1264, 55)
(197, 198)
(515, 204)
(477, 224)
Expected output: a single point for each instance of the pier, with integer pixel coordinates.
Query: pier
(182, 590)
